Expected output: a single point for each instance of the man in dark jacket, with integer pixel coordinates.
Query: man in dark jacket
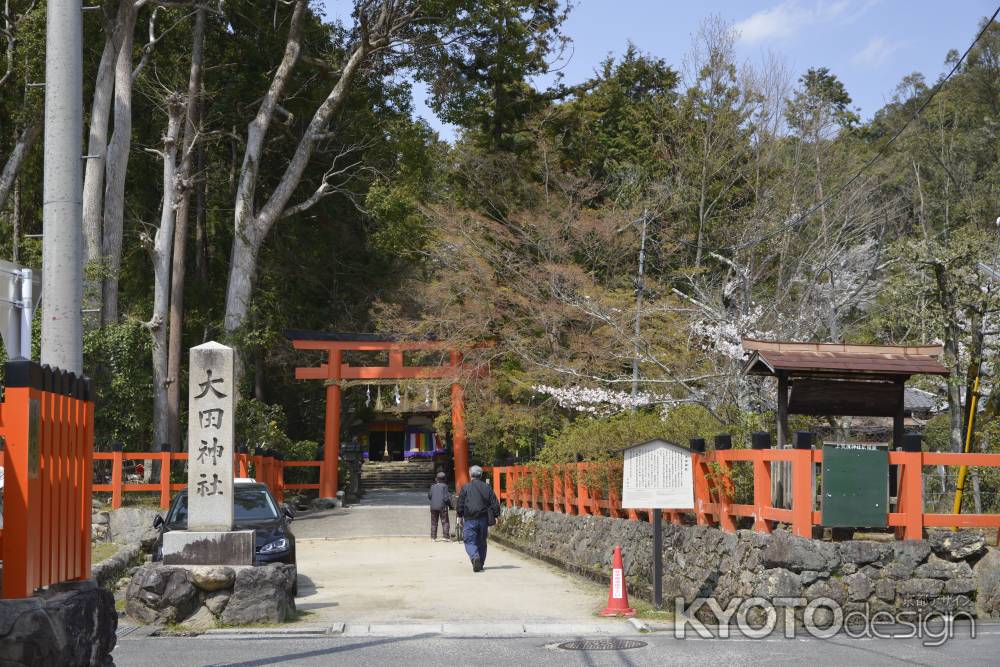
(440, 499)
(476, 505)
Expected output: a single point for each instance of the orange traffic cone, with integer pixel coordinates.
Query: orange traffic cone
(618, 595)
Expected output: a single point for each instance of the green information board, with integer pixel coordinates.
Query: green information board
(855, 485)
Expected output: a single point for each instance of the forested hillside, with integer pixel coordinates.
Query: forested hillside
(255, 165)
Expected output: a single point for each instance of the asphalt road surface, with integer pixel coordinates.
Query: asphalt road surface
(659, 650)
(377, 591)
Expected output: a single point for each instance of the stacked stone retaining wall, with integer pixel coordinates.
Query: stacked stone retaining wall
(948, 572)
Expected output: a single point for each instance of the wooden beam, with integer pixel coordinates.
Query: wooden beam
(398, 373)
(367, 346)
(378, 372)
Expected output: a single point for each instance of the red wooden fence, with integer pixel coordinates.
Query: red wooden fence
(47, 424)
(527, 486)
(265, 469)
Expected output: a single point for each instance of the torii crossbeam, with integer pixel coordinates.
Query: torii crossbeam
(334, 370)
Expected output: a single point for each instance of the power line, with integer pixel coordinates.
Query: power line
(875, 158)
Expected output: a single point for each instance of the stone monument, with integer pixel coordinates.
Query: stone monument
(210, 538)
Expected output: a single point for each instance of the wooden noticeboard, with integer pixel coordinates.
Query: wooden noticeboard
(657, 474)
(855, 485)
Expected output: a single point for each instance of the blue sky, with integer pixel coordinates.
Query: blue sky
(869, 44)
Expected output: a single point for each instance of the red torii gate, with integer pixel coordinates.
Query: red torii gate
(334, 370)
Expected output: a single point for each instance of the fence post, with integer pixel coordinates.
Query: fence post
(242, 462)
(581, 492)
(568, 498)
(279, 480)
(760, 443)
(496, 483)
(726, 520)
(116, 476)
(18, 570)
(910, 491)
(534, 490)
(164, 479)
(88, 476)
(802, 492)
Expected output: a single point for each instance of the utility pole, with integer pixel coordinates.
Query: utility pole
(62, 208)
(639, 288)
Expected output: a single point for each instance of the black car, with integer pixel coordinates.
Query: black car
(255, 509)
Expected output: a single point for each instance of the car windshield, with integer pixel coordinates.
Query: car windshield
(252, 503)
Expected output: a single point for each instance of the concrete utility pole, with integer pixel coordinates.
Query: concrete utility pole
(639, 289)
(62, 210)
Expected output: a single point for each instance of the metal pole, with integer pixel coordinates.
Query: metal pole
(658, 558)
(27, 311)
(62, 208)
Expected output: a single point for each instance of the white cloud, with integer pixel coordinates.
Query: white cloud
(789, 18)
(877, 52)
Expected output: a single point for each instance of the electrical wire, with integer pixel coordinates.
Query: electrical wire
(875, 158)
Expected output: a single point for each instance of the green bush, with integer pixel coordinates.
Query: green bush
(603, 439)
(117, 359)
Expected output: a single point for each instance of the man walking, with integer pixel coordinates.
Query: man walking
(479, 508)
(440, 499)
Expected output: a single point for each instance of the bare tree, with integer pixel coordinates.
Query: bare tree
(29, 134)
(183, 199)
(97, 143)
(15, 160)
(117, 166)
(379, 22)
(161, 255)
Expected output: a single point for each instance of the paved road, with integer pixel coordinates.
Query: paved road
(375, 562)
(429, 650)
(381, 514)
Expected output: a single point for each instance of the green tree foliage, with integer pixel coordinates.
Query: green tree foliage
(527, 230)
(480, 81)
(603, 439)
(118, 357)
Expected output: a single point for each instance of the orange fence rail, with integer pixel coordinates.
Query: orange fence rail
(563, 489)
(530, 487)
(265, 469)
(47, 426)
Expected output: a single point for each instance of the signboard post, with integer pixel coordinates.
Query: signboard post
(657, 475)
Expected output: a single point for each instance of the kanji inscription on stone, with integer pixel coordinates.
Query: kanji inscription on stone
(210, 438)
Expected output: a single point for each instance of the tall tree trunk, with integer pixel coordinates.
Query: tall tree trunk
(246, 244)
(200, 235)
(117, 167)
(252, 228)
(25, 142)
(97, 146)
(162, 250)
(183, 196)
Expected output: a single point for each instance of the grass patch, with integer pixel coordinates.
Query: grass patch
(120, 604)
(102, 551)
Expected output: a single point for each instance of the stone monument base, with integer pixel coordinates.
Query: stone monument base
(204, 597)
(183, 547)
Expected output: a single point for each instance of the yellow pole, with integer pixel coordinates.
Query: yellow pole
(963, 471)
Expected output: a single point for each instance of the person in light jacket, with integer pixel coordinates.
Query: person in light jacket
(477, 505)
(440, 498)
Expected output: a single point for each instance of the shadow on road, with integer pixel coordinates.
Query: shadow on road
(291, 657)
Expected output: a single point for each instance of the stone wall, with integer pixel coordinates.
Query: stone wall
(71, 624)
(203, 597)
(947, 572)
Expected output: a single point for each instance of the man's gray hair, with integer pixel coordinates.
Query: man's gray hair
(476, 472)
